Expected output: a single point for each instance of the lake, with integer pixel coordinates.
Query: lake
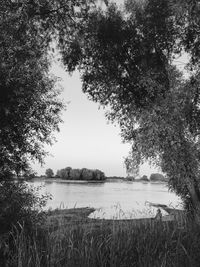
(116, 200)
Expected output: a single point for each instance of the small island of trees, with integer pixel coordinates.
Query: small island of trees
(76, 174)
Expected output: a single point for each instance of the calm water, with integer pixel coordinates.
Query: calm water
(111, 199)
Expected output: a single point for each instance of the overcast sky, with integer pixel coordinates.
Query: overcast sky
(86, 139)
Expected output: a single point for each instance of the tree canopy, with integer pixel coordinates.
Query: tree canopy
(49, 173)
(126, 64)
(80, 174)
(29, 105)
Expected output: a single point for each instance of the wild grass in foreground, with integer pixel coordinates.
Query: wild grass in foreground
(104, 244)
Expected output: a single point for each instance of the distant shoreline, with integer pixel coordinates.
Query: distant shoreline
(109, 180)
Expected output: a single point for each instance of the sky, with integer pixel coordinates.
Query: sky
(86, 138)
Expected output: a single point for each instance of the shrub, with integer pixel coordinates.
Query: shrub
(20, 212)
(157, 177)
(20, 204)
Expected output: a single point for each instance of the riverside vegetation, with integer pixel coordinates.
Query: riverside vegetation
(31, 237)
(126, 62)
(70, 238)
(76, 174)
(85, 174)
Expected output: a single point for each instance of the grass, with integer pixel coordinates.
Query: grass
(69, 238)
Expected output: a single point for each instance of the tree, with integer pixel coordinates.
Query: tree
(75, 174)
(49, 173)
(29, 104)
(98, 175)
(144, 178)
(29, 107)
(29, 173)
(86, 174)
(64, 173)
(80, 174)
(126, 64)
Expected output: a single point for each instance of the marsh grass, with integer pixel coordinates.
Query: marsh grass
(104, 243)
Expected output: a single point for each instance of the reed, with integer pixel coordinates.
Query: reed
(106, 244)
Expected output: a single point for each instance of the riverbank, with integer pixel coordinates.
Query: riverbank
(107, 180)
(82, 241)
(70, 239)
(59, 218)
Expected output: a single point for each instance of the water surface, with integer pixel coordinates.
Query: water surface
(111, 199)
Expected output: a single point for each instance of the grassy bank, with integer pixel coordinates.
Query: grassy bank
(70, 238)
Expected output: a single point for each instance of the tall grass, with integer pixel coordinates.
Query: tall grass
(114, 244)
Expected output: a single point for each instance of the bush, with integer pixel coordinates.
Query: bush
(144, 178)
(20, 211)
(20, 204)
(158, 177)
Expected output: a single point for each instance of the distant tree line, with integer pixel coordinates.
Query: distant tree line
(76, 174)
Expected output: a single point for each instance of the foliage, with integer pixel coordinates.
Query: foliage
(188, 19)
(126, 62)
(49, 173)
(80, 174)
(29, 107)
(157, 177)
(29, 174)
(20, 205)
(144, 178)
(75, 174)
(64, 173)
